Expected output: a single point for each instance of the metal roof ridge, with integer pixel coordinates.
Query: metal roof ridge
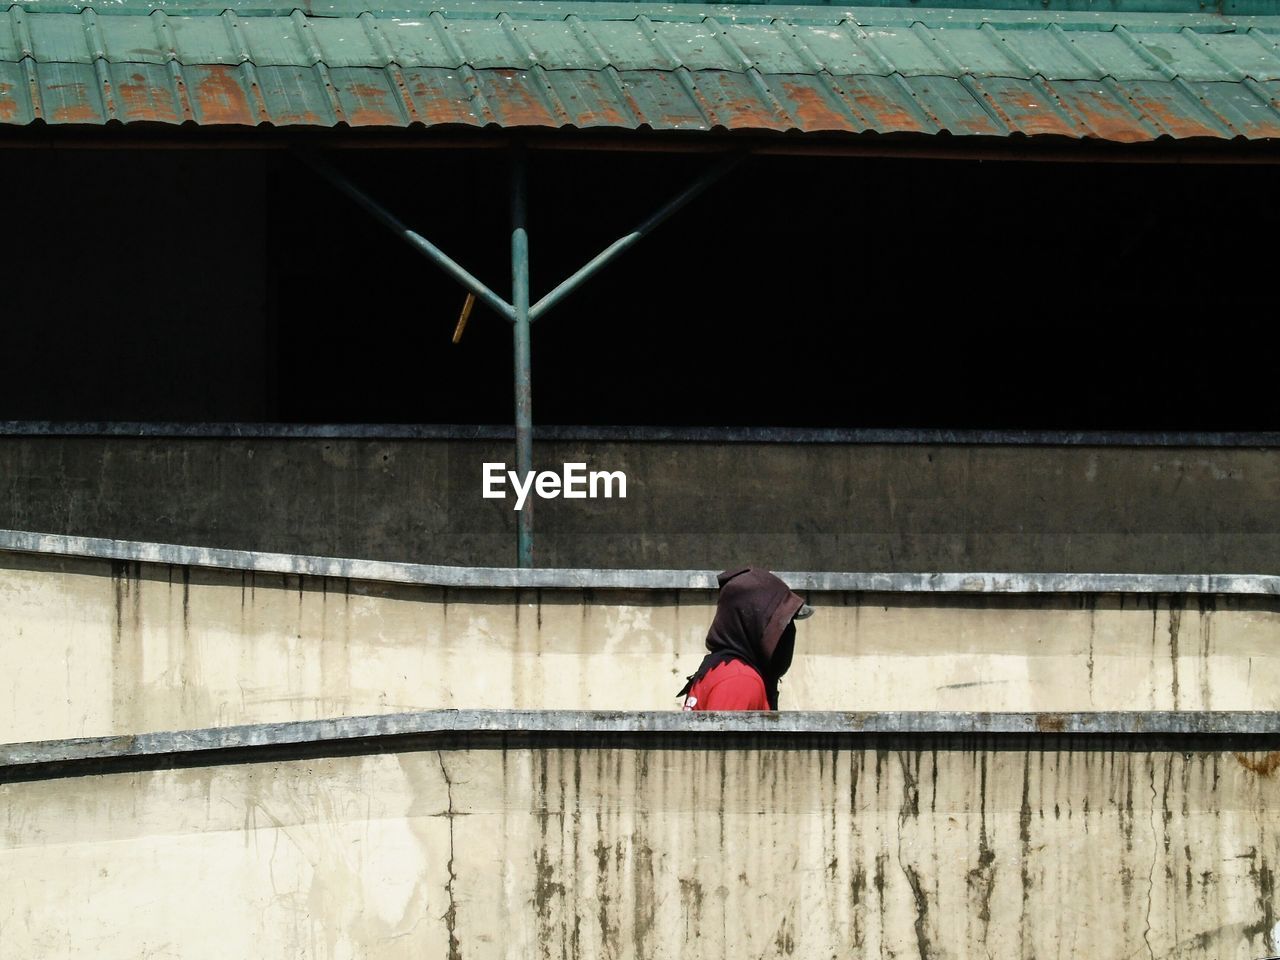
(1179, 13)
(743, 63)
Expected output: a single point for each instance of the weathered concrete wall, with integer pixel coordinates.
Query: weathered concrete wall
(689, 505)
(968, 847)
(95, 648)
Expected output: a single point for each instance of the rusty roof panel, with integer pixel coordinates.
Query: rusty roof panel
(954, 105)
(518, 98)
(704, 100)
(1245, 107)
(685, 68)
(733, 102)
(15, 95)
(369, 97)
(1026, 107)
(222, 94)
(71, 93)
(1101, 111)
(816, 104)
(887, 103)
(595, 98)
(146, 92)
(298, 96)
(437, 96)
(671, 96)
(1174, 111)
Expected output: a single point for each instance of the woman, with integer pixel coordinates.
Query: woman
(751, 641)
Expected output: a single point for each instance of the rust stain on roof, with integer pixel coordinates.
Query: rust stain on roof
(887, 115)
(220, 98)
(8, 105)
(371, 109)
(1105, 116)
(774, 81)
(1168, 115)
(813, 111)
(435, 103)
(307, 118)
(143, 101)
(76, 107)
(1032, 114)
(600, 118)
(739, 106)
(512, 96)
(593, 107)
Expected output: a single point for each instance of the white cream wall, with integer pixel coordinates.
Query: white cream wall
(941, 848)
(92, 648)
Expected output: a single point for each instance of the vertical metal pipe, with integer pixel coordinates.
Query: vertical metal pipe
(524, 387)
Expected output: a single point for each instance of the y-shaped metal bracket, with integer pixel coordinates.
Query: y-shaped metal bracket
(518, 312)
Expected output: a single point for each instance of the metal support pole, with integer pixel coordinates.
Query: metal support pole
(518, 311)
(621, 245)
(524, 388)
(415, 240)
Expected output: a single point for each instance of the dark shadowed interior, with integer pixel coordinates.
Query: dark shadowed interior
(223, 285)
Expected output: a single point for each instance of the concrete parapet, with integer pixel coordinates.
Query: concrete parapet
(951, 504)
(546, 837)
(97, 647)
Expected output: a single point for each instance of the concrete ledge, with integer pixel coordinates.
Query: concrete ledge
(655, 846)
(22, 541)
(371, 729)
(636, 434)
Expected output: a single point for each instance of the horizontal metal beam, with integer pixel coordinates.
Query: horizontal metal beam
(637, 434)
(415, 240)
(385, 571)
(266, 736)
(924, 146)
(625, 243)
(1047, 148)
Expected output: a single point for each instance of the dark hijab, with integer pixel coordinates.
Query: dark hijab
(753, 623)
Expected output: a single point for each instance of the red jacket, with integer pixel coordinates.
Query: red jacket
(731, 685)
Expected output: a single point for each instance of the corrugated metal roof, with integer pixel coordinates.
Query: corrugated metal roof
(670, 68)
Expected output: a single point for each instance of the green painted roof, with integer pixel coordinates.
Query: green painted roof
(889, 69)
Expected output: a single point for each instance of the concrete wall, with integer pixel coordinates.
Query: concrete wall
(928, 848)
(689, 505)
(96, 648)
